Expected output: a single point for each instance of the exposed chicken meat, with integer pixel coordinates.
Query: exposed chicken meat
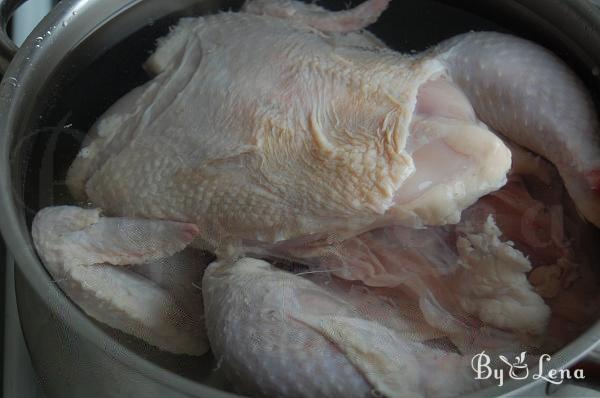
(528, 94)
(458, 279)
(492, 284)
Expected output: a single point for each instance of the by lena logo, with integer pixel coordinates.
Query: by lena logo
(519, 369)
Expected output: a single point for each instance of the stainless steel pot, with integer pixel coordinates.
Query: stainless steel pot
(87, 53)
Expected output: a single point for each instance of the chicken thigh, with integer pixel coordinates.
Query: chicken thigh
(266, 131)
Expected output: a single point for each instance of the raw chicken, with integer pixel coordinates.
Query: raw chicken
(272, 131)
(300, 133)
(78, 245)
(528, 94)
(461, 277)
(307, 132)
(493, 285)
(278, 334)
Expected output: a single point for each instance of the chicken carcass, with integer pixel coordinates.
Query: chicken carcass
(286, 123)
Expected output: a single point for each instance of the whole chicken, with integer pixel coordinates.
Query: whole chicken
(284, 128)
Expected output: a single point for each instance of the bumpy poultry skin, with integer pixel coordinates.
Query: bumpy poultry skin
(262, 128)
(152, 298)
(258, 128)
(278, 334)
(528, 94)
(303, 131)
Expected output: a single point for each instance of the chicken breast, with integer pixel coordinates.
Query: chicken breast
(259, 128)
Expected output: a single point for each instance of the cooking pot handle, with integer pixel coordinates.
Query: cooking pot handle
(7, 46)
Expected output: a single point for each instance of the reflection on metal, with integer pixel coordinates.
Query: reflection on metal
(27, 17)
(19, 378)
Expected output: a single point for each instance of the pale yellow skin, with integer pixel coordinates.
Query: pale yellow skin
(300, 133)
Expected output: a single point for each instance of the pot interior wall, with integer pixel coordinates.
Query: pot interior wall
(89, 81)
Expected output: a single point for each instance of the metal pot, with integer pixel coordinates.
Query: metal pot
(87, 53)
